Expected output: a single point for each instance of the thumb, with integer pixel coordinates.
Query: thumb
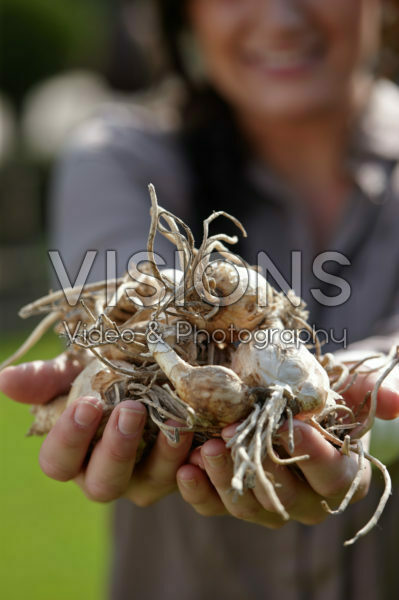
(40, 381)
(387, 399)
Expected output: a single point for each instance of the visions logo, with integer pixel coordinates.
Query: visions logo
(158, 288)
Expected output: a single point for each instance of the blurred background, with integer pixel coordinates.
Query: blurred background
(60, 60)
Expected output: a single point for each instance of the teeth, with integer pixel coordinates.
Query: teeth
(283, 59)
(286, 59)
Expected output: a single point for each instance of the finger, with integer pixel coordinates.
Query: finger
(197, 490)
(328, 471)
(40, 381)
(297, 497)
(229, 431)
(65, 447)
(196, 459)
(219, 467)
(112, 461)
(155, 477)
(387, 399)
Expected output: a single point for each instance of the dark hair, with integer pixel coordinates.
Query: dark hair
(212, 142)
(173, 21)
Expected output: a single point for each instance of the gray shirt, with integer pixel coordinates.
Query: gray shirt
(100, 201)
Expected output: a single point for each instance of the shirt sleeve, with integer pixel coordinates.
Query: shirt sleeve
(384, 341)
(100, 201)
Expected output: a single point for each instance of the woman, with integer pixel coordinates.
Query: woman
(285, 128)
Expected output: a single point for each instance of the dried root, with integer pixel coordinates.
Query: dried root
(201, 381)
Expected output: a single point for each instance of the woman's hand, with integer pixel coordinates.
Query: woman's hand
(108, 473)
(205, 482)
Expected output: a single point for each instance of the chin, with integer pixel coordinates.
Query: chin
(291, 104)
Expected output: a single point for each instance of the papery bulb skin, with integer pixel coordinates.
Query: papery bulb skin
(289, 365)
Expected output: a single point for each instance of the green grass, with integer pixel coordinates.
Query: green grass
(53, 541)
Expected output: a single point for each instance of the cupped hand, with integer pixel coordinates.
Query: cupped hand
(107, 475)
(205, 482)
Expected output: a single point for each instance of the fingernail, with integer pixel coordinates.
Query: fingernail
(297, 436)
(229, 432)
(86, 412)
(216, 461)
(130, 420)
(188, 483)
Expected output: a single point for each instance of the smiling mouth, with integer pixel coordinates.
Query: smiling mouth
(284, 61)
